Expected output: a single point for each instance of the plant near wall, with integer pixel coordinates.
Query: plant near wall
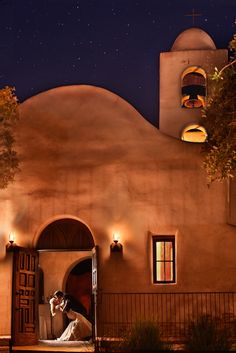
(219, 120)
(9, 164)
(144, 336)
(207, 334)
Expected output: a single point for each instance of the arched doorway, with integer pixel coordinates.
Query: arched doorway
(64, 249)
(65, 255)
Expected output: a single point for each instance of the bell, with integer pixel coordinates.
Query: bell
(193, 96)
(193, 102)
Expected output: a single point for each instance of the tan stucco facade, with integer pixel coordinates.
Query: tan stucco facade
(87, 154)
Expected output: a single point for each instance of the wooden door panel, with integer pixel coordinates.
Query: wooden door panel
(94, 289)
(24, 297)
(94, 270)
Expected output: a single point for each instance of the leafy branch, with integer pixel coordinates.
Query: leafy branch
(219, 120)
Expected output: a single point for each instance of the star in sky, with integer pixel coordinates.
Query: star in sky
(114, 45)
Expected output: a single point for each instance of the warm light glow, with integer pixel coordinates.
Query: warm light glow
(116, 236)
(194, 69)
(193, 82)
(164, 264)
(197, 102)
(202, 99)
(160, 245)
(194, 133)
(11, 237)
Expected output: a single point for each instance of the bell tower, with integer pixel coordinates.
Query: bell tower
(184, 73)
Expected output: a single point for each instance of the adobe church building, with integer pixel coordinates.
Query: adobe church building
(106, 205)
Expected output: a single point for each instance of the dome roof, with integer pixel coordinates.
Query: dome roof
(193, 39)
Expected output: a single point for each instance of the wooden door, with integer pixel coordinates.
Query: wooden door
(94, 269)
(94, 289)
(24, 297)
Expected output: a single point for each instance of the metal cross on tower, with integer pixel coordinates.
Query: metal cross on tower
(194, 15)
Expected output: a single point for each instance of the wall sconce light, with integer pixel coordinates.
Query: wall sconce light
(11, 244)
(116, 246)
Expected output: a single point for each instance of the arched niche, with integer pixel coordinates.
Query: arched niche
(193, 88)
(194, 133)
(65, 234)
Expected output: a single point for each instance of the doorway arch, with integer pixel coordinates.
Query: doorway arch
(65, 234)
(68, 242)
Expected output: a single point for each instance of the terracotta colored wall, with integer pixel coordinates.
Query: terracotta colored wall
(5, 295)
(88, 154)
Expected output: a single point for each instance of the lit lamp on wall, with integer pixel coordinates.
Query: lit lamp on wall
(116, 246)
(11, 244)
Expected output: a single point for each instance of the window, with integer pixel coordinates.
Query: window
(163, 259)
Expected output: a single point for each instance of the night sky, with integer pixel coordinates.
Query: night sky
(114, 44)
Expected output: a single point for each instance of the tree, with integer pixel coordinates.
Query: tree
(9, 164)
(219, 120)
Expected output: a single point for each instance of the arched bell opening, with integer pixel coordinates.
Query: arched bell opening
(194, 133)
(193, 88)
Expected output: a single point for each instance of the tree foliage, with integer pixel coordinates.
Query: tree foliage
(9, 163)
(219, 119)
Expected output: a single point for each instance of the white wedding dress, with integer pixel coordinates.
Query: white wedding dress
(78, 329)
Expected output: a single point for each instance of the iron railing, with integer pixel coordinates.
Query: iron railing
(172, 312)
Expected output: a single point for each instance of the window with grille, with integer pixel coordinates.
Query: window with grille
(164, 259)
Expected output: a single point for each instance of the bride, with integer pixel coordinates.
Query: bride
(79, 328)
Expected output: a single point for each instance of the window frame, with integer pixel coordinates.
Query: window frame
(163, 238)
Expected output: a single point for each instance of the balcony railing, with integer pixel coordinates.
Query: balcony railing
(172, 312)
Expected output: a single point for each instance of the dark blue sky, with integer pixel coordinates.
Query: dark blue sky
(113, 44)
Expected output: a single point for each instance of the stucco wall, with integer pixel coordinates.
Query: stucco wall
(88, 154)
(5, 295)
